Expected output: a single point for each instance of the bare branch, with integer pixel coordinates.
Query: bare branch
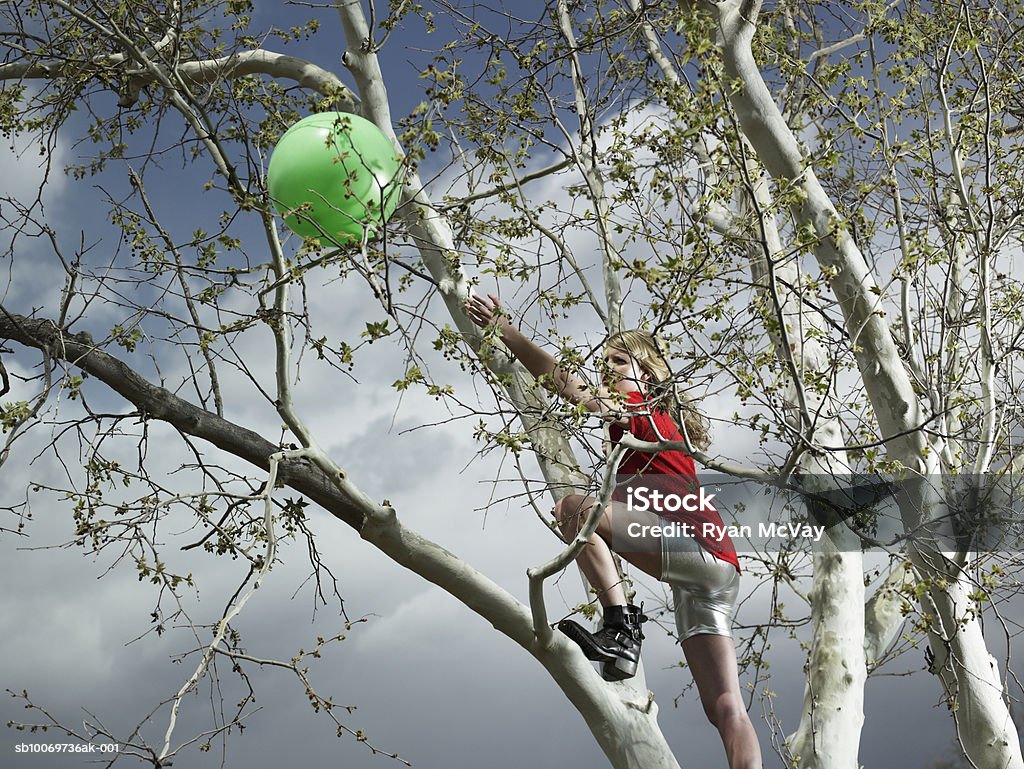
(158, 403)
(211, 71)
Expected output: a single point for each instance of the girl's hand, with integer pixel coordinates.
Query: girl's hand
(484, 312)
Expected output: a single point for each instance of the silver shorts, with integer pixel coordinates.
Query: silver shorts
(704, 587)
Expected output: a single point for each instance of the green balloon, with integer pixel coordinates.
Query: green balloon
(332, 175)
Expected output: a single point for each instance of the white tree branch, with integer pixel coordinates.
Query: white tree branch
(210, 71)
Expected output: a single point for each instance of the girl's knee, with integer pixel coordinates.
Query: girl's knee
(567, 509)
(725, 710)
(569, 514)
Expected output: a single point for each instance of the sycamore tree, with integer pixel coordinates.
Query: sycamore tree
(814, 206)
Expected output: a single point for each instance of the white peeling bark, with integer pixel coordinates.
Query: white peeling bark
(828, 735)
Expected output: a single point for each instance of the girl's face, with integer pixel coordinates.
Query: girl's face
(622, 371)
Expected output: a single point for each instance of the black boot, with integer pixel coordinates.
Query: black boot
(616, 644)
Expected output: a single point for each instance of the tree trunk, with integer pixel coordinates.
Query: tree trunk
(828, 735)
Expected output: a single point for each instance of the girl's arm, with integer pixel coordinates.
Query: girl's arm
(538, 362)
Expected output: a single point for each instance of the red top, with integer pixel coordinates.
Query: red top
(678, 475)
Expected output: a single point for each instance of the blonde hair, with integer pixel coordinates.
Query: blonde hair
(642, 347)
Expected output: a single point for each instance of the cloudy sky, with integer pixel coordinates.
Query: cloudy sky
(429, 679)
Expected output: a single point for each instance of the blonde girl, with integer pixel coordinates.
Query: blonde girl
(638, 397)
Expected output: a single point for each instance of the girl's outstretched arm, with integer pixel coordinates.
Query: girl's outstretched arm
(487, 312)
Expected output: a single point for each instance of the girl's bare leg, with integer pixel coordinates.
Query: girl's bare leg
(712, 660)
(596, 558)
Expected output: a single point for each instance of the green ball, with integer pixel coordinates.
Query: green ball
(332, 175)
